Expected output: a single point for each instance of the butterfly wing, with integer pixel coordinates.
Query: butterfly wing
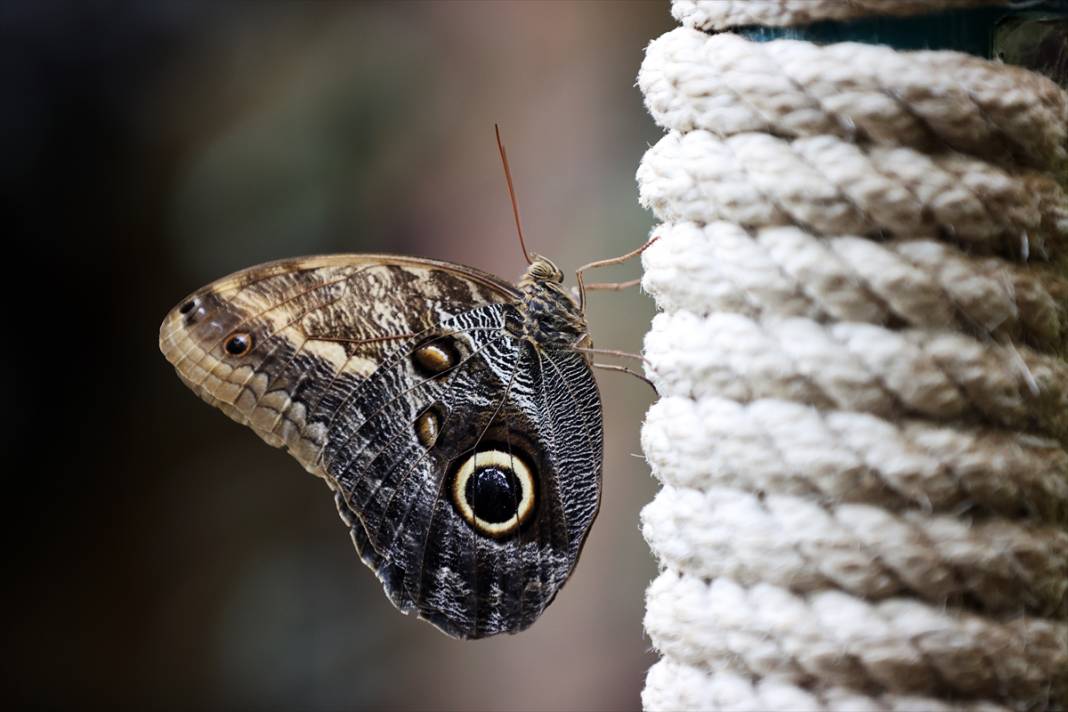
(314, 326)
(390, 422)
(506, 404)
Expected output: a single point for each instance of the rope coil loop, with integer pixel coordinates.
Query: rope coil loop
(863, 430)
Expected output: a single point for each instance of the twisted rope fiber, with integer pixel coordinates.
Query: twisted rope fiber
(832, 186)
(678, 686)
(791, 89)
(775, 446)
(864, 412)
(917, 283)
(868, 551)
(850, 366)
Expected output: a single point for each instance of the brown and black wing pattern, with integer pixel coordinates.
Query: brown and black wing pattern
(325, 364)
(394, 491)
(315, 326)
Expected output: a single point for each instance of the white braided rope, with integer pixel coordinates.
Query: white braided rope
(676, 686)
(728, 85)
(864, 408)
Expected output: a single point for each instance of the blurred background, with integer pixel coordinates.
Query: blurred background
(163, 556)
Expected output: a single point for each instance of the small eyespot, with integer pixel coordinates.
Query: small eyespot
(238, 344)
(494, 491)
(193, 311)
(436, 357)
(428, 427)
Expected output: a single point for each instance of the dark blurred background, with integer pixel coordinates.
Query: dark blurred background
(160, 554)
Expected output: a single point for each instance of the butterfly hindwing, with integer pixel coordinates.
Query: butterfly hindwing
(501, 395)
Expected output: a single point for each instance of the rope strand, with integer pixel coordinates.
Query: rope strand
(864, 399)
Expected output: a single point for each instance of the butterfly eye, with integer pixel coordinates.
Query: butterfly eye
(238, 344)
(188, 307)
(494, 492)
(436, 357)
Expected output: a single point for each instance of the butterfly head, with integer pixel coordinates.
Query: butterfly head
(542, 269)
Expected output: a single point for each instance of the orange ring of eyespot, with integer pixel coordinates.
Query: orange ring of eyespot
(244, 337)
(513, 464)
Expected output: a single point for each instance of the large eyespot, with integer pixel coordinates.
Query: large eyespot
(494, 491)
(238, 344)
(436, 357)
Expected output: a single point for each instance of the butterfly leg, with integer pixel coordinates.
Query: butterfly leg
(624, 369)
(606, 263)
(612, 286)
(610, 352)
(612, 367)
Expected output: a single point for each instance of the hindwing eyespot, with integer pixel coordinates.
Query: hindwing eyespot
(494, 491)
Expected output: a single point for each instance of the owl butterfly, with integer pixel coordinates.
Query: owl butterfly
(454, 415)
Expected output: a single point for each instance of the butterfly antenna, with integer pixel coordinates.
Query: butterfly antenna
(511, 194)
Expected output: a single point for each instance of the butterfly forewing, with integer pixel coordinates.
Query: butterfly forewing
(318, 326)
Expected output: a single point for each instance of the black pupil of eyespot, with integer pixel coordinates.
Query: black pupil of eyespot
(493, 493)
(237, 344)
(187, 307)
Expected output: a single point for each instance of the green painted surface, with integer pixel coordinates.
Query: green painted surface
(1011, 33)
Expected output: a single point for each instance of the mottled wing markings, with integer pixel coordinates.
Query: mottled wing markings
(341, 409)
(222, 289)
(579, 374)
(473, 592)
(267, 403)
(552, 436)
(284, 368)
(479, 560)
(426, 382)
(249, 317)
(348, 487)
(344, 397)
(428, 333)
(381, 550)
(228, 395)
(346, 465)
(530, 557)
(445, 423)
(276, 367)
(267, 337)
(301, 315)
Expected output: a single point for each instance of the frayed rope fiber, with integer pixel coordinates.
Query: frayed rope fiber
(860, 354)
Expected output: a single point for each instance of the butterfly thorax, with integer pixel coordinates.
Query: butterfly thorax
(550, 314)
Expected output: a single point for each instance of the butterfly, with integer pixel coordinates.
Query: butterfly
(454, 415)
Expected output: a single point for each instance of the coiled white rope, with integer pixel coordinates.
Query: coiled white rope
(864, 412)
